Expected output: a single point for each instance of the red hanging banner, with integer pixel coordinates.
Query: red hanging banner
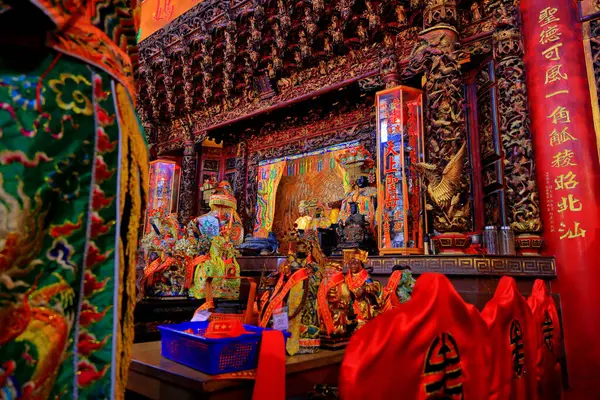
(568, 171)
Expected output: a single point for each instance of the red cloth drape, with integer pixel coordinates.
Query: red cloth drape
(433, 345)
(513, 337)
(549, 341)
(270, 373)
(568, 174)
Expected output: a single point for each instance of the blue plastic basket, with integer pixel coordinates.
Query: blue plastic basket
(211, 356)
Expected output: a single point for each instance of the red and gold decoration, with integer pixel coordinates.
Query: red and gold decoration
(451, 243)
(567, 170)
(295, 292)
(156, 14)
(400, 148)
(365, 291)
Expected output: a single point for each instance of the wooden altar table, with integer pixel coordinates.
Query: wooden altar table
(155, 377)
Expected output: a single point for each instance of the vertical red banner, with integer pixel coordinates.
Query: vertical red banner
(568, 174)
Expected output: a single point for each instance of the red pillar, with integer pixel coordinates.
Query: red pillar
(568, 172)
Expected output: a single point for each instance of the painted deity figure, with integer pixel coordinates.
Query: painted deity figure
(165, 259)
(335, 302)
(297, 283)
(320, 221)
(358, 164)
(398, 289)
(365, 197)
(304, 220)
(221, 231)
(223, 206)
(365, 292)
(475, 12)
(220, 261)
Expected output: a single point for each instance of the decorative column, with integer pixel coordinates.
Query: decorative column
(147, 74)
(241, 164)
(569, 175)
(388, 68)
(447, 148)
(522, 197)
(188, 77)
(189, 185)
(164, 63)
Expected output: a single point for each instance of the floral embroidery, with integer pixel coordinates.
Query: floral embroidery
(68, 86)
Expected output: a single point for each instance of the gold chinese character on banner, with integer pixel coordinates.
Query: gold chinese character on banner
(548, 95)
(547, 16)
(566, 181)
(554, 74)
(560, 114)
(569, 203)
(551, 53)
(563, 159)
(550, 34)
(561, 137)
(571, 233)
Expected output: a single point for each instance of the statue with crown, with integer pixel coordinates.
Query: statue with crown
(214, 237)
(294, 292)
(365, 292)
(166, 249)
(356, 219)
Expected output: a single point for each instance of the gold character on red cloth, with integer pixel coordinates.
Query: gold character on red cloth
(365, 292)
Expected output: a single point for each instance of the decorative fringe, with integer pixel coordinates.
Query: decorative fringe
(134, 182)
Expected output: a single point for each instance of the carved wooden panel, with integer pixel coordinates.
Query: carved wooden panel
(451, 265)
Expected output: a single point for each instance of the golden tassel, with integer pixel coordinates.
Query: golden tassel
(134, 181)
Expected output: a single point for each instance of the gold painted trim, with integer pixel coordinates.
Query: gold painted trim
(589, 64)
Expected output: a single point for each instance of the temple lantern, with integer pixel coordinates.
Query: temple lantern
(399, 148)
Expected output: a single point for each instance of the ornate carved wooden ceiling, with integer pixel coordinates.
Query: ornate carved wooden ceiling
(223, 61)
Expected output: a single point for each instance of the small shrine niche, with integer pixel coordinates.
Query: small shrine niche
(399, 147)
(163, 191)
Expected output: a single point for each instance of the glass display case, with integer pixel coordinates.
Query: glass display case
(163, 191)
(400, 211)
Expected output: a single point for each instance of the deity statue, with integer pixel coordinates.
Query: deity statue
(335, 302)
(359, 164)
(213, 238)
(303, 222)
(319, 221)
(296, 285)
(164, 272)
(220, 261)
(399, 288)
(364, 291)
(401, 15)
(355, 231)
(475, 12)
(223, 206)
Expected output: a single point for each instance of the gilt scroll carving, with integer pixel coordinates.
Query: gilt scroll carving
(446, 170)
(523, 211)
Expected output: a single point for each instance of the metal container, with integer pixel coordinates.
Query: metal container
(507, 241)
(490, 240)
